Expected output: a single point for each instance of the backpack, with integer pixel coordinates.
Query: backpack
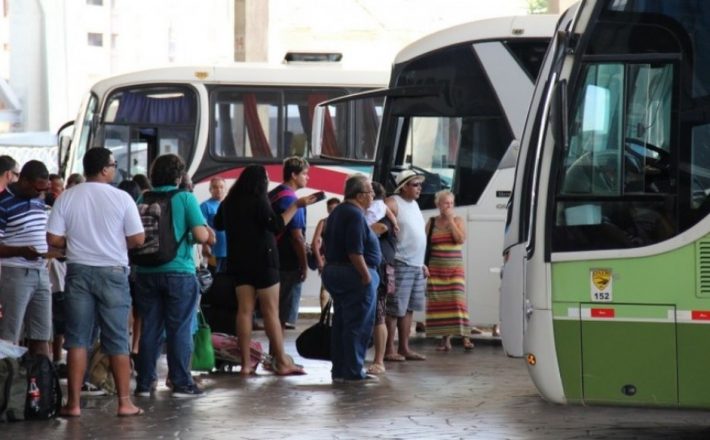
(16, 401)
(275, 195)
(13, 390)
(160, 245)
(42, 375)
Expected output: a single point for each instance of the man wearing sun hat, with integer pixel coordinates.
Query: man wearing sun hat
(410, 271)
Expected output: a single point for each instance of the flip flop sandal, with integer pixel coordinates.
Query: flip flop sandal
(376, 369)
(138, 412)
(394, 358)
(292, 370)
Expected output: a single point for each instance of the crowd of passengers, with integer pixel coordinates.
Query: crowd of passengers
(66, 280)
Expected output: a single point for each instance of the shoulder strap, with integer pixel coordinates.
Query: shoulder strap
(275, 196)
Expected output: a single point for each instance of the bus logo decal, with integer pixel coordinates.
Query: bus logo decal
(601, 281)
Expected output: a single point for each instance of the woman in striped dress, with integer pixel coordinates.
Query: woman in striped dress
(446, 313)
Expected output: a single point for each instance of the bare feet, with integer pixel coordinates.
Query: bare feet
(247, 372)
(66, 411)
(126, 408)
(413, 356)
(467, 344)
(288, 368)
(444, 345)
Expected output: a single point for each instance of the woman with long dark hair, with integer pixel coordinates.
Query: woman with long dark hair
(253, 260)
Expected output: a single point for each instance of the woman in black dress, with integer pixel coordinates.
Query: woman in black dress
(253, 260)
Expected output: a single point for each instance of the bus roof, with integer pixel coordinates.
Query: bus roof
(254, 74)
(522, 26)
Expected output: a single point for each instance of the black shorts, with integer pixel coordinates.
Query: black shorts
(260, 279)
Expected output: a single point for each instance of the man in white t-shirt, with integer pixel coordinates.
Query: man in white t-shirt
(97, 224)
(409, 268)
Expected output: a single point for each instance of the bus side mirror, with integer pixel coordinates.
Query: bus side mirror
(64, 139)
(558, 115)
(317, 130)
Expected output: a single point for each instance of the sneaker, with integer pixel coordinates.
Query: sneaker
(289, 326)
(187, 391)
(89, 389)
(145, 392)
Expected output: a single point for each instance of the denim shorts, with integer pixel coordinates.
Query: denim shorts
(97, 294)
(26, 300)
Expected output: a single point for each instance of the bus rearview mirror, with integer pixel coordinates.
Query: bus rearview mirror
(558, 114)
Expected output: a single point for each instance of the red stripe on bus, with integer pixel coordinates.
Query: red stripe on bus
(322, 179)
(700, 315)
(602, 313)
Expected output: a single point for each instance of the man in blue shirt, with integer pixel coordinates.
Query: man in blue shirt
(293, 267)
(352, 254)
(217, 253)
(24, 282)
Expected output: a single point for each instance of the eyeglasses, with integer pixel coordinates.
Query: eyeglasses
(368, 192)
(112, 164)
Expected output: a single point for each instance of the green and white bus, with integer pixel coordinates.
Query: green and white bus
(606, 281)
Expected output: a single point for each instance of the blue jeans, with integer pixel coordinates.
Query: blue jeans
(289, 295)
(93, 293)
(354, 306)
(166, 303)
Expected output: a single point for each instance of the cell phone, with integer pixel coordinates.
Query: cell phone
(320, 195)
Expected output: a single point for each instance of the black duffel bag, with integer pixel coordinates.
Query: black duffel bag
(314, 342)
(219, 305)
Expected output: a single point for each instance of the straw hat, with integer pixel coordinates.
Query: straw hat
(404, 176)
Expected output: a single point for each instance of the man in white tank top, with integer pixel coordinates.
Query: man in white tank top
(410, 271)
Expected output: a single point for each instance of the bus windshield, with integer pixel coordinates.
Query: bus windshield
(141, 123)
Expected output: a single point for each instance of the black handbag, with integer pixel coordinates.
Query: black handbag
(314, 342)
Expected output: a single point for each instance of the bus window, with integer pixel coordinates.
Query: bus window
(299, 107)
(700, 169)
(529, 53)
(245, 124)
(350, 128)
(461, 153)
(140, 124)
(616, 186)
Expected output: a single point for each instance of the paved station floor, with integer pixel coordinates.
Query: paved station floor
(469, 395)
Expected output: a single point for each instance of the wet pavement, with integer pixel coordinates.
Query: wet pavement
(480, 394)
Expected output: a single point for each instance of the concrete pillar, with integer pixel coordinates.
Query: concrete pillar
(28, 67)
(251, 30)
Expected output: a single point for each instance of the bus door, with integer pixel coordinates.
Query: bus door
(139, 124)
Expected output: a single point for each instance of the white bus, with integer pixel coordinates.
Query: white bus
(220, 119)
(455, 101)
